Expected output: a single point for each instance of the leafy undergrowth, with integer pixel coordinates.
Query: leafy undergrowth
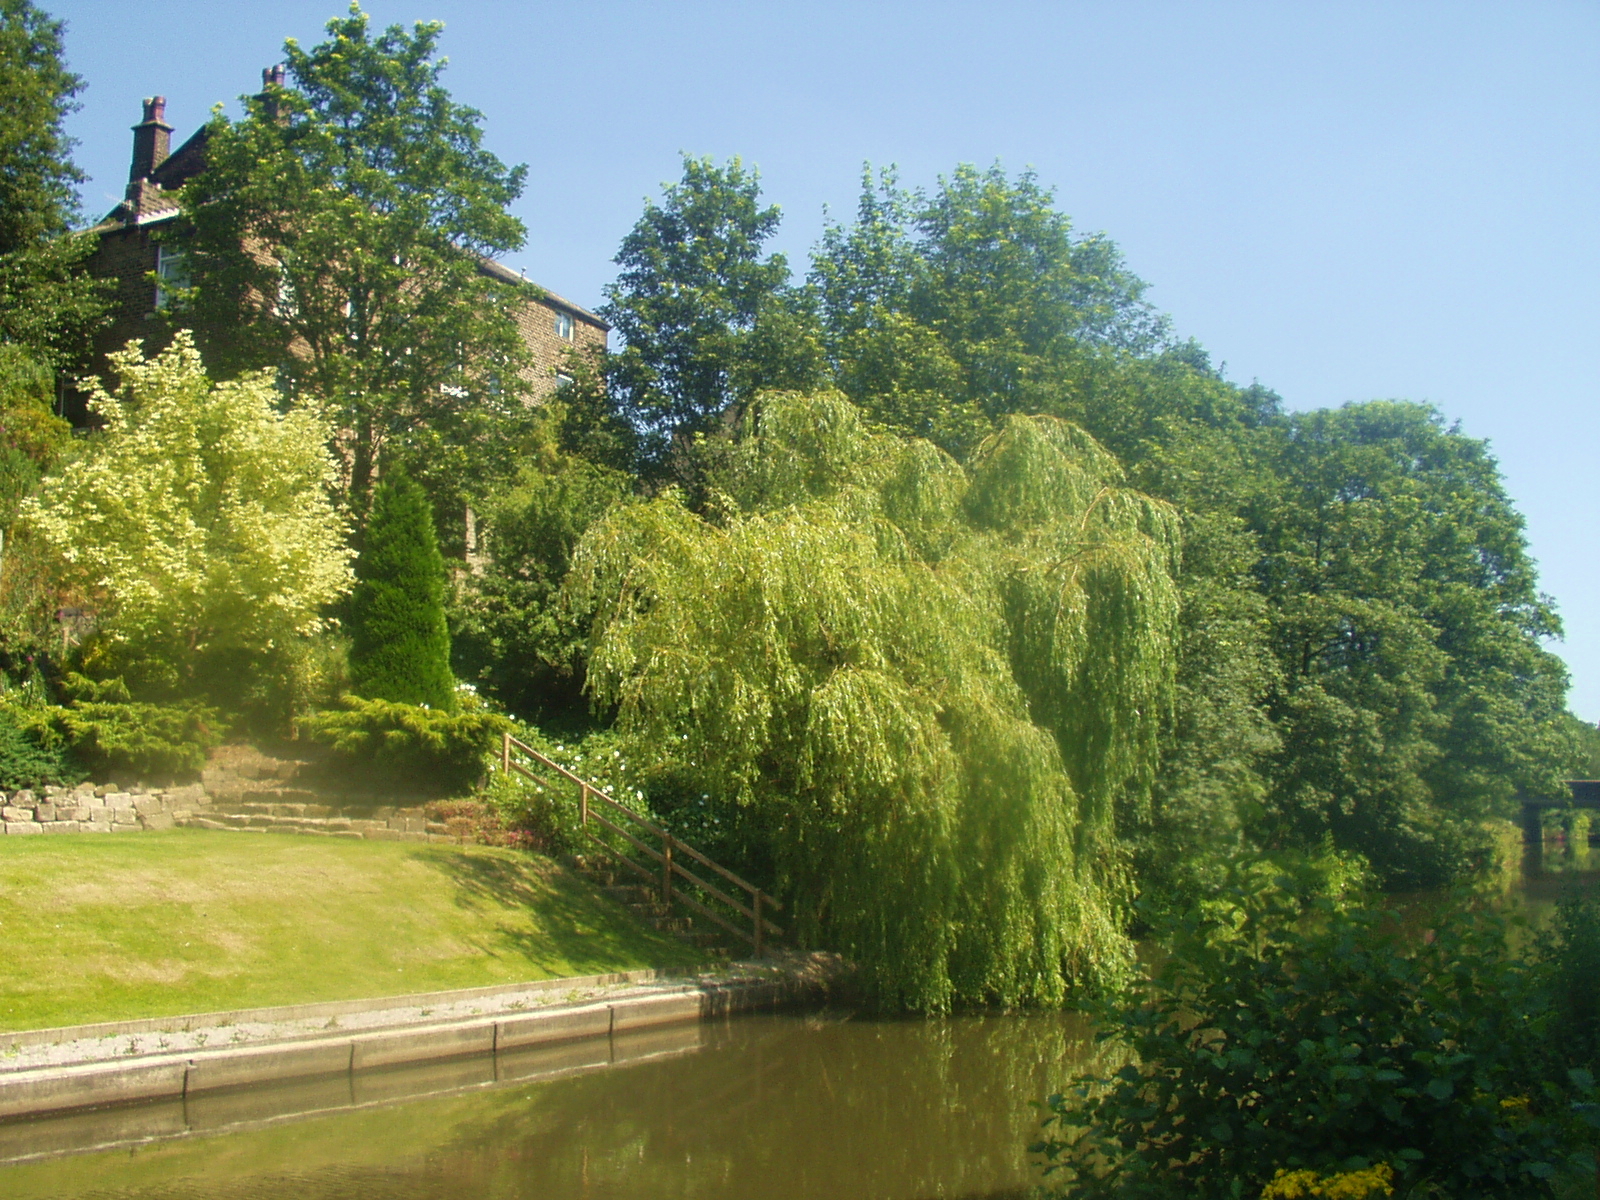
(103, 928)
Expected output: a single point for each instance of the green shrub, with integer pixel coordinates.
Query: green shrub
(512, 636)
(113, 736)
(409, 747)
(1326, 1041)
(534, 816)
(26, 763)
(400, 644)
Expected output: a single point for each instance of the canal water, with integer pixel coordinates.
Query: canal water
(815, 1106)
(778, 1106)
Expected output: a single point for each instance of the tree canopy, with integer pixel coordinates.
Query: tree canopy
(338, 233)
(706, 321)
(913, 691)
(47, 304)
(1359, 643)
(198, 524)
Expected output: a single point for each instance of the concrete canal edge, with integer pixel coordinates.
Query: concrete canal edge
(55, 1089)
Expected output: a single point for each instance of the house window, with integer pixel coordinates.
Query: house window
(562, 379)
(172, 274)
(285, 306)
(564, 326)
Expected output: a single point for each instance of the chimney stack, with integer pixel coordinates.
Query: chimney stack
(152, 140)
(271, 77)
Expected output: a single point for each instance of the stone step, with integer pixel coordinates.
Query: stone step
(271, 795)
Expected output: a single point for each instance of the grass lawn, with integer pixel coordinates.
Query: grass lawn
(109, 927)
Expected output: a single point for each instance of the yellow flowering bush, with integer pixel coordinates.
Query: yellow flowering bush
(1376, 1180)
(198, 520)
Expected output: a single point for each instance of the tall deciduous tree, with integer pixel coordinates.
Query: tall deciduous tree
(399, 643)
(337, 234)
(46, 304)
(706, 321)
(1417, 697)
(945, 311)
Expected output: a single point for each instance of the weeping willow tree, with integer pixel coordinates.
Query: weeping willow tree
(924, 686)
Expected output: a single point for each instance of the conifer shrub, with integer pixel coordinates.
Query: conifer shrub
(399, 642)
(25, 762)
(105, 733)
(408, 747)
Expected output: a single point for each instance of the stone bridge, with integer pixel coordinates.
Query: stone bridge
(1585, 794)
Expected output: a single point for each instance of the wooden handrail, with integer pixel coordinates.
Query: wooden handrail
(639, 819)
(666, 856)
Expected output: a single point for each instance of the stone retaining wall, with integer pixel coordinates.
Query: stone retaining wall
(240, 789)
(144, 1076)
(88, 808)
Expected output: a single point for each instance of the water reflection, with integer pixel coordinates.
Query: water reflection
(778, 1106)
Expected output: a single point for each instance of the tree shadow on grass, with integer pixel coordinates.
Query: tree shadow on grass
(577, 929)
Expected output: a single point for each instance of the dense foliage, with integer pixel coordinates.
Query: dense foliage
(359, 200)
(197, 524)
(1360, 641)
(1326, 1041)
(706, 322)
(511, 637)
(408, 748)
(47, 303)
(399, 643)
(913, 691)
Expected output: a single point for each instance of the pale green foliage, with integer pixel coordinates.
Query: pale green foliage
(926, 684)
(198, 519)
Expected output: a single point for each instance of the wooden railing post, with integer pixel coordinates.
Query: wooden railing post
(666, 870)
(583, 807)
(505, 752)
(756, 908)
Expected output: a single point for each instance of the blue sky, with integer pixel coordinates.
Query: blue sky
(1343, 200)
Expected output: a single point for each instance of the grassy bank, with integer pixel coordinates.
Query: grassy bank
(101, 928)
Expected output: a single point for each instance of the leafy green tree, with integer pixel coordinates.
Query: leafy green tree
(512, 637)
(1584, 757)
(46, 303)
(399, 642)
(706, 321)
(945, 311)
(907, 693)
(338, 234)
(198, 524)
(1416, 697)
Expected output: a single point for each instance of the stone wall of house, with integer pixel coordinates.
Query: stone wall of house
(540, 324)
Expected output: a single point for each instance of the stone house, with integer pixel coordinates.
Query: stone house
(551, 326)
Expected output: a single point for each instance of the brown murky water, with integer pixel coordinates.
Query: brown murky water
(782, 1107)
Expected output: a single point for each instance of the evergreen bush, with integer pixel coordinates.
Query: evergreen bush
(400, 644)
(26, 763)
(408, 746)
(110, 735)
